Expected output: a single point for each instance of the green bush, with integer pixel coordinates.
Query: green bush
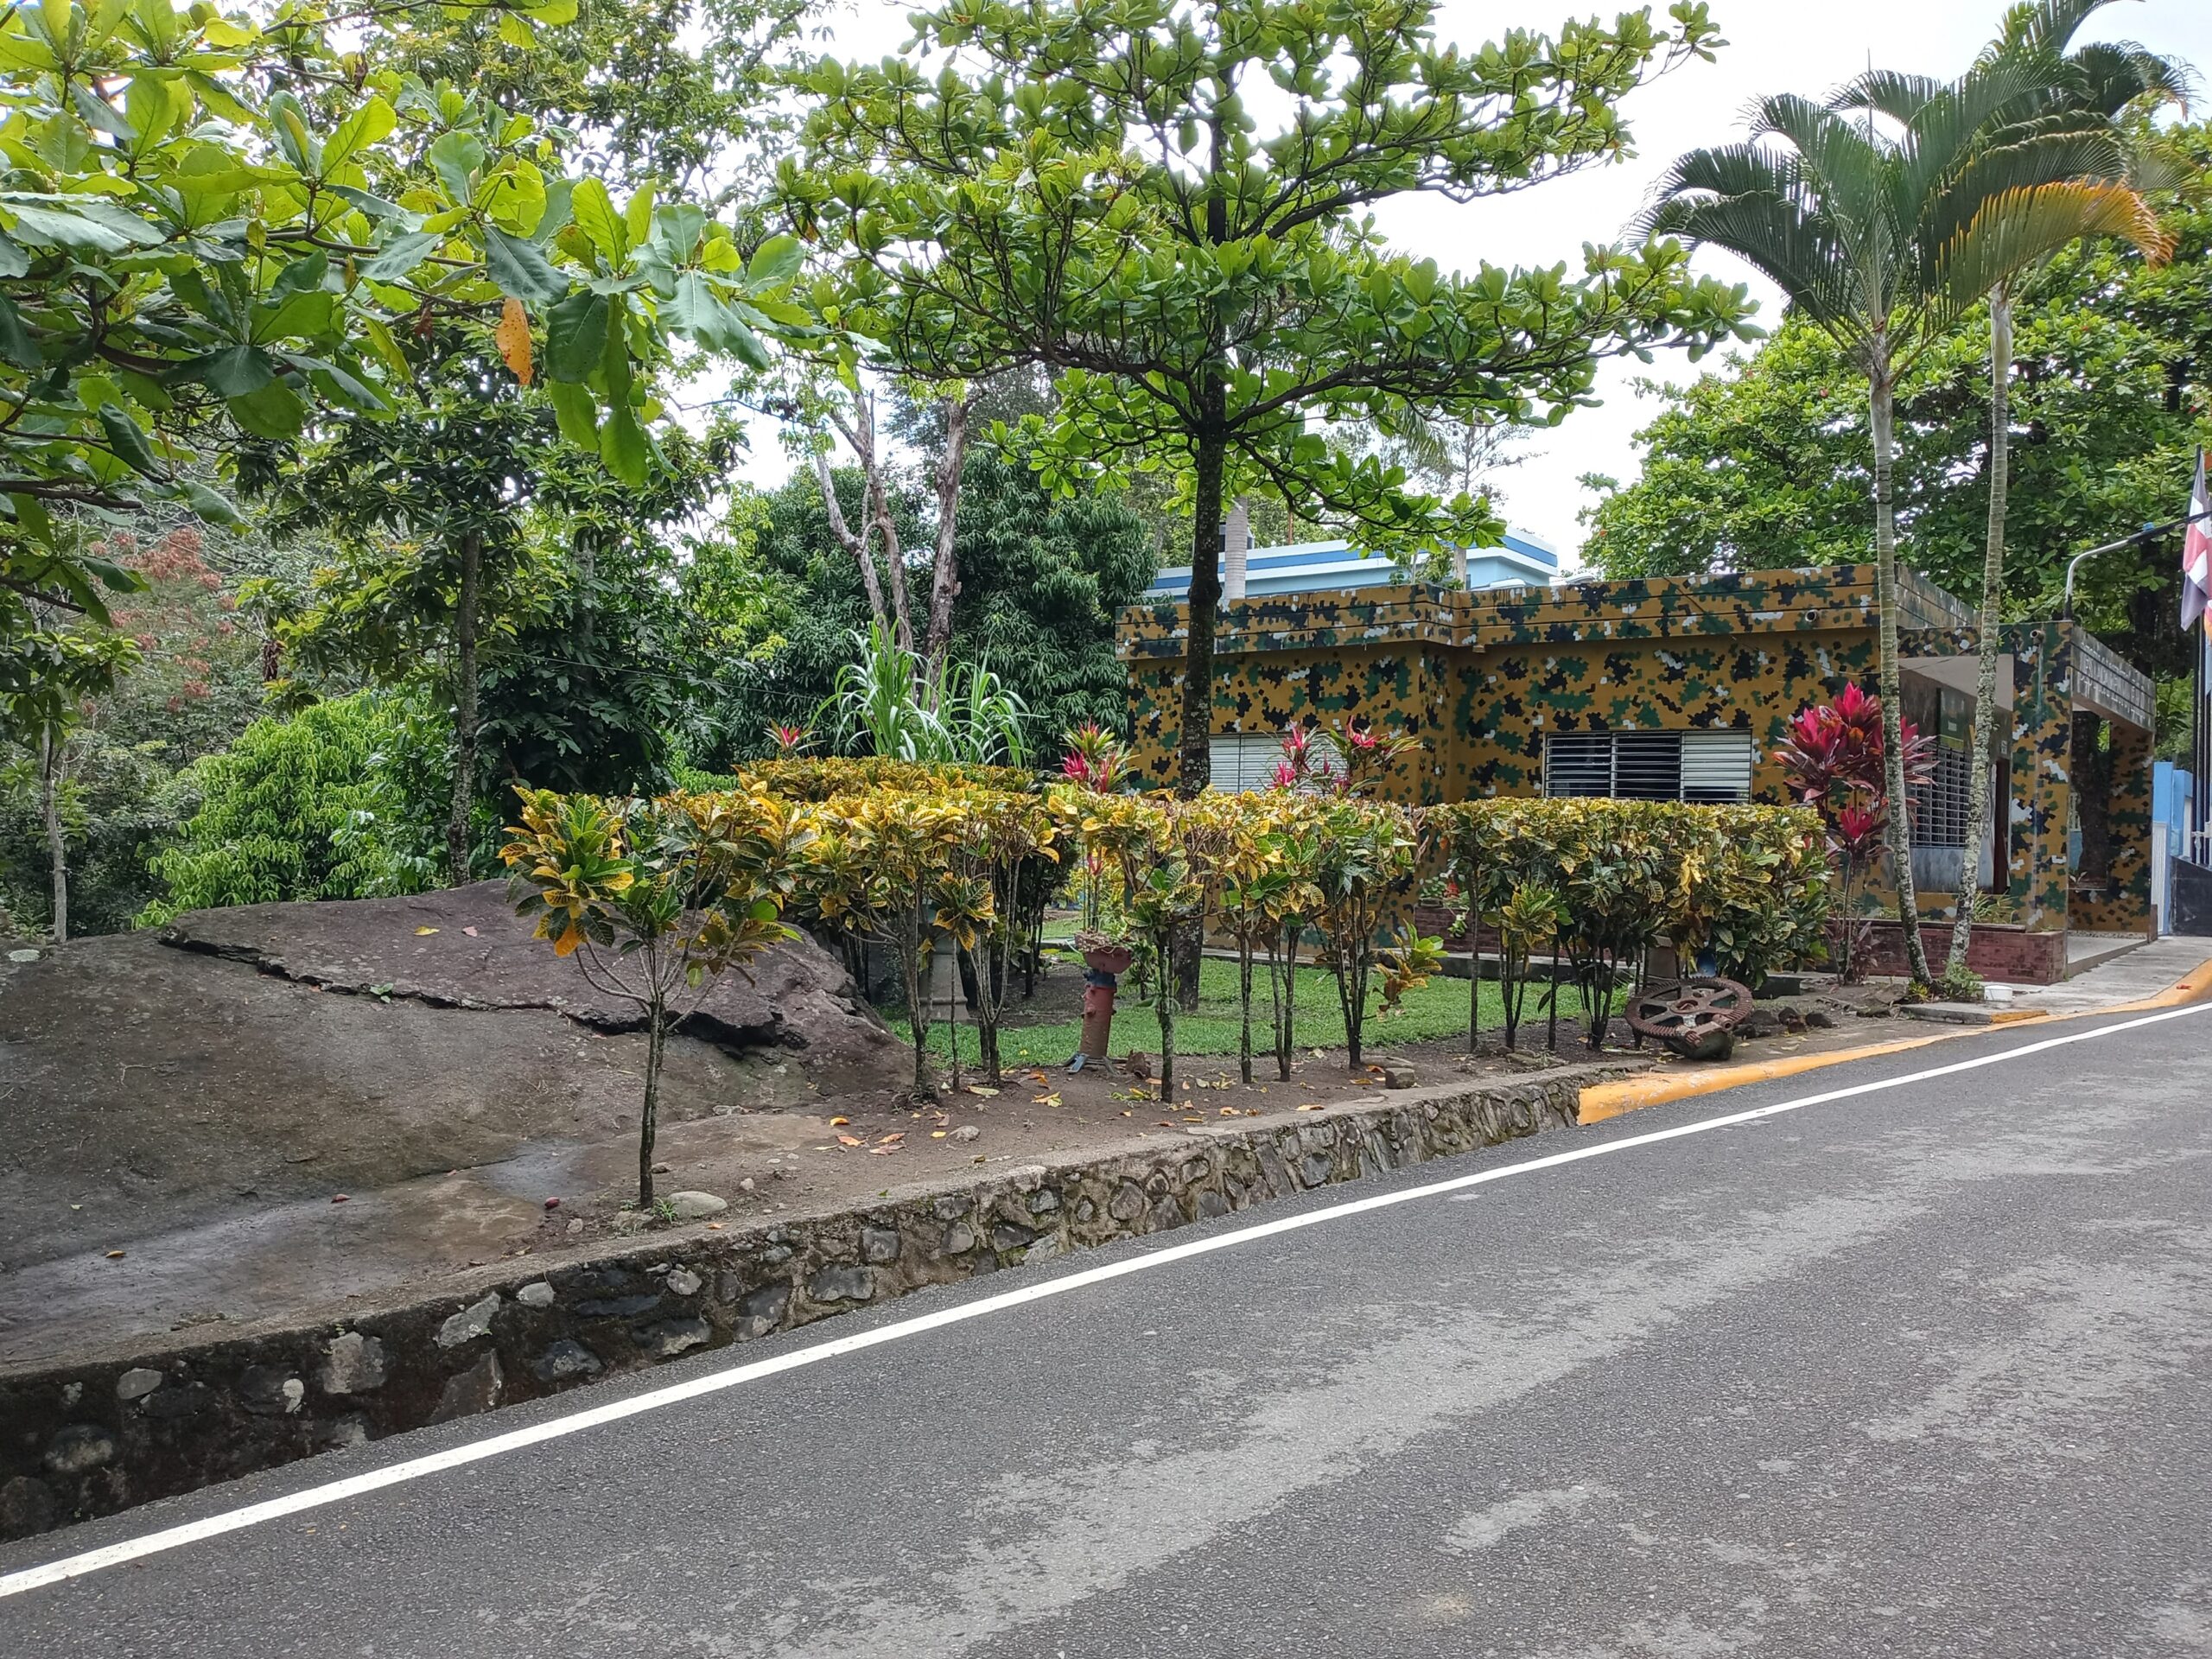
(338, 801)
(1749, 883)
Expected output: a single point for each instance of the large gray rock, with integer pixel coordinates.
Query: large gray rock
(795, 996)
(281, 1054)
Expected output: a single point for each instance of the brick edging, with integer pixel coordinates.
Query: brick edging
(92, 1437)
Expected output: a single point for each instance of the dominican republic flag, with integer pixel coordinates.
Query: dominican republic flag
(2197, 553)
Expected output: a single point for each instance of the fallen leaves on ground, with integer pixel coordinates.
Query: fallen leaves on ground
(979, 1089)
(1045, 1100)
(891, 1139)
(850, 1140)
(1311, 1106)
(839, 1124)
(421, 932)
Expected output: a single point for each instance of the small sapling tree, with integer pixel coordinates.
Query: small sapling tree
(654, 900)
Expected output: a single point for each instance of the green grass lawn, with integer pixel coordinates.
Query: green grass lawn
(1438, 1010)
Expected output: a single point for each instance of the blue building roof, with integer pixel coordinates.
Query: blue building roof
(1324, 566)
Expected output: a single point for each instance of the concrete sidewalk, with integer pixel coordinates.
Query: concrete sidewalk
(2144, 972)
(2126, 977)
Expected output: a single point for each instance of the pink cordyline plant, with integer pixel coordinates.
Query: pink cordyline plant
(1831, 756)
(1095, 758)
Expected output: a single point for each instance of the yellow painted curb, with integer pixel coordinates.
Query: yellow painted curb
(1603, 1100)
(2191, 986)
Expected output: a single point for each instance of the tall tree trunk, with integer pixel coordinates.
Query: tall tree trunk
(1992, 582)
(57, 844)
(464, 708)
(894, 559)
(1195, 746)
(648, 1119)
(1881, 400)
(944, 583)
(854, 542)
(1245, 998)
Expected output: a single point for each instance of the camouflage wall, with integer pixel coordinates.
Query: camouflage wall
(2125, 905)
(1482, 678)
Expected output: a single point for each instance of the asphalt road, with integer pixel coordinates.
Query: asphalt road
(1925, 1372)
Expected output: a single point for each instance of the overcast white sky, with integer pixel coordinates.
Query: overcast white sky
(1805, 46)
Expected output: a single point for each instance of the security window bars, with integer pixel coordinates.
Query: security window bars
(1708, 767)
(1244, 761)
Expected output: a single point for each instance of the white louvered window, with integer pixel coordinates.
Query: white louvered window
(1701, 767)
(1244, 761)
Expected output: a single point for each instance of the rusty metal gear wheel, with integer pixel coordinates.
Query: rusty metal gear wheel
(1695, 1018)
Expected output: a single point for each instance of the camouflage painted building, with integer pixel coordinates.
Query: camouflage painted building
(1677, 688)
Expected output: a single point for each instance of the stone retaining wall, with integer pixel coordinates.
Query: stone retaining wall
(86, 1439)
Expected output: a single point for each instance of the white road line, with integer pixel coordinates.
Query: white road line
(338, 1492)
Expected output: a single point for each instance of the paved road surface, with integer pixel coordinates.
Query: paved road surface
(1926, 1371)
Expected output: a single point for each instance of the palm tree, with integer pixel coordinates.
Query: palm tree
(1885, 237)
(2093, 88)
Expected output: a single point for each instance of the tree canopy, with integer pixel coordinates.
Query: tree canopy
(1765, 461)
(209, 227)
(1095, 188)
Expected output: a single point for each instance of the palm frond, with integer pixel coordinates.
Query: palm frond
(2017, 229)
(2095, 156)
(1887, 93)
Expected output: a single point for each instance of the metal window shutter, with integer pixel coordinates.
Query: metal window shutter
(1717, 766)
(1228, 760)
(1648, 766)
(1578, 763)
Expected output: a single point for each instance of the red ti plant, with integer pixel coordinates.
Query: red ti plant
(1095, 757)
(1831, 755)
(790, 739)
(1095, 761)
(1367, 756)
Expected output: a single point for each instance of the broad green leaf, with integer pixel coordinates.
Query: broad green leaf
(99, 114)
(14, 261)
(370, 125)
(90, 225)
(219, 99)
(129, 443)
(239, 372)
(17, 345)
(520, 269)
(517, 33)
(385, 345)
(622, 446)
(575, 337)
(210, 505)
(678, 228)
(301, 316)
(637, 217)
(156, 25)
(455, 158)
(338, 382)
(375, 206)
(276, 412)
(775, 262)
(595, 216)
(575, 413)
(400, 256)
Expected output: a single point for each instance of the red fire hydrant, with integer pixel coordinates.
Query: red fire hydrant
(1103, 965)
